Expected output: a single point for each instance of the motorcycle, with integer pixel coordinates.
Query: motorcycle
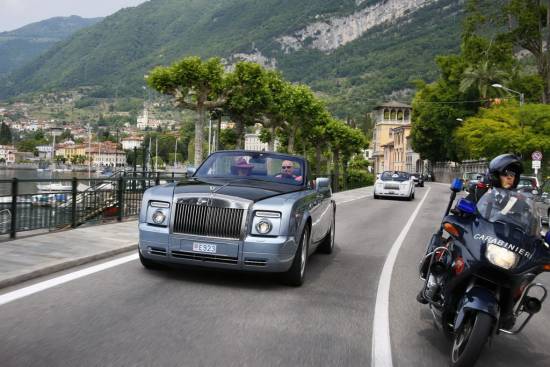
(480, 268)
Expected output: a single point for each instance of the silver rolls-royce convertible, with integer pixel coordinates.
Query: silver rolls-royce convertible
(246, 210)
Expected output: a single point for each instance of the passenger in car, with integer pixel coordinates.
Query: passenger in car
(287, 172)
(242, 167)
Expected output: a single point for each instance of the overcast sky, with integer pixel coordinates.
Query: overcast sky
(17, 13)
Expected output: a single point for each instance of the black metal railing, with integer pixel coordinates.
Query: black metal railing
(51, 204)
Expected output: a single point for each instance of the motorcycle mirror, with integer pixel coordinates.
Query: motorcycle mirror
(456, 185)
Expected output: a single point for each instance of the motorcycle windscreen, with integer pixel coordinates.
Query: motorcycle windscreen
(515, 221)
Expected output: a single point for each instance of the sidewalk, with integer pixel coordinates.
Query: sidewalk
(31, 257)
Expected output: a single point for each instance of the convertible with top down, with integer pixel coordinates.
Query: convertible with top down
(246, 210)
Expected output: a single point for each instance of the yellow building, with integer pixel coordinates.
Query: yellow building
(387, 118)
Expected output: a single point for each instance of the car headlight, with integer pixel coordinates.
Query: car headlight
(501, 257)
(158, 217)
(266, 223)
(158, 212)
(264, 226)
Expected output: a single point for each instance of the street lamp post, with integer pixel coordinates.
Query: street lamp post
(521, 99)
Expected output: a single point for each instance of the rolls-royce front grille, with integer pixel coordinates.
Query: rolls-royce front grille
(391, 187)
(208, 221)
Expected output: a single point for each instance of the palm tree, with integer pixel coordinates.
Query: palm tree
(482, 75)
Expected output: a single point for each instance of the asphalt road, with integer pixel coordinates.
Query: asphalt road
(129, 316)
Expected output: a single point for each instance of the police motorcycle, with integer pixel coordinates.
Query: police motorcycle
(480, 269)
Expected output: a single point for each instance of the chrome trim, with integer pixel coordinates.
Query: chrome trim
(213, 200)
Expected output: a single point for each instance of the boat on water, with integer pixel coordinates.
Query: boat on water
(43, 167)
(106, 171)
(60, 187)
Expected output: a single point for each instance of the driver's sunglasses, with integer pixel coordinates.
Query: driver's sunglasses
(508, 174)
(286, 167)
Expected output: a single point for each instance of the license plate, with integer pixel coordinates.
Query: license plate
(204, 247)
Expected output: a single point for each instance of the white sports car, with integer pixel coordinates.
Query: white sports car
(394, 184)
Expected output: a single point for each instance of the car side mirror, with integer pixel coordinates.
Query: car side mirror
(322, 182)
(191, 171)
(547, 237)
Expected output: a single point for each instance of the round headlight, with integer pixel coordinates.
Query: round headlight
(501, 257)
(158, 217)
(264, 226)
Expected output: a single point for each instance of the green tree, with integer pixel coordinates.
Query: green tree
(497, 130)
(248, 97)
(5, 134)
(345, 141)
(529, 22)
(194, 85)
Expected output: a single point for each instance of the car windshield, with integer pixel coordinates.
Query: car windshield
(524, 181)
(500, 205)
(262, 166)
(395, 176)
(472, 176)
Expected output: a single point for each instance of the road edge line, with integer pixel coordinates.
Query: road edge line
(41, 286)
(381, 354)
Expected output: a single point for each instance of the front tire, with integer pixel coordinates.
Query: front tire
(328, 242)
(296, 274)
(469, 341)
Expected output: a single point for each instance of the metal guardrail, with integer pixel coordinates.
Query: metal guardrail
(64, 203)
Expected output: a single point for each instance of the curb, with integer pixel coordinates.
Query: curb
(20, 278)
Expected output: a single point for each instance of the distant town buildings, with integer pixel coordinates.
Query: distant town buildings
(391, 144)
(145, 122)
(252, 141)
(8, 153)
(132, 142)
(45, 152)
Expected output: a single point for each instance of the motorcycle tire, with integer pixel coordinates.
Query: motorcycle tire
(469, 341)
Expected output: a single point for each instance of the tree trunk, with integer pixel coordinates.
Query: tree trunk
(318, 152)
(336, 162)
(239, 130)
(271, 143)
(291, 139)
(345, 168)
(199, 135)
(219, 130)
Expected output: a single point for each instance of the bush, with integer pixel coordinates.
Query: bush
(359, 178)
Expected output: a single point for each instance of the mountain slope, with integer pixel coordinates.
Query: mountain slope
(20, 46)
(350, 50)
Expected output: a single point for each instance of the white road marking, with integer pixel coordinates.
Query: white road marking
(381, 343)
(38, 287)
(354, 199)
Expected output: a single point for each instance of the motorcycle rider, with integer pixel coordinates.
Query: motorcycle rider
(504, 171)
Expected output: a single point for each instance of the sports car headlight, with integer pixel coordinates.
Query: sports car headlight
(266, 223)
(264, 226)
(158, 217)
(501, 257)
(158, 213)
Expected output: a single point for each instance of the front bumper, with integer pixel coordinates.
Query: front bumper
(264, 254)
(392, 193)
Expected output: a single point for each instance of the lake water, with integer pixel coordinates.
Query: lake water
(33, 174)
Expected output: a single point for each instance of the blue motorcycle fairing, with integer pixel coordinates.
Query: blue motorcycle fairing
(477, 299)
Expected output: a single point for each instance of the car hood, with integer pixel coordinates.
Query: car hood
(242, 190)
